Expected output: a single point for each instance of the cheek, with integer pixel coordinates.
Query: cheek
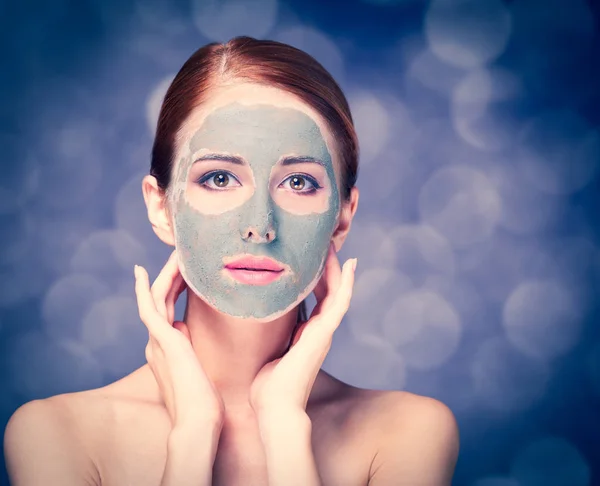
(300, 204)
(200, 236)
(215, 202)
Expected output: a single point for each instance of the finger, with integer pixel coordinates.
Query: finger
(328, 280)
(146, 306)
(164, 282)
(182, 327)
(343, 296)
(333, 278)
(177, 288)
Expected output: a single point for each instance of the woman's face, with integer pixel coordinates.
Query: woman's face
(255, 175)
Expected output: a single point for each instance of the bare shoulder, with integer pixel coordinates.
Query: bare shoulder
(45, 432)
(416, 439)
(414, 412)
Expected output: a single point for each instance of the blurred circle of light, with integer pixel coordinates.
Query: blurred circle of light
(114, 333)
(472, 105)
(67, 302)
(559, 152)
(423, 327)
(369, 362)
(542, 318)
(505, 261)
(57, 238)
(221, 20)
(461, 203)
(159, 15)
(41, 367)
(108, 255)
(317, 44)
(467, 33)
(370, 242)
(20, 175)
(421, 251)
(374, 290)
(525, 210)
(372, 124)
(74, 158)
(154, 102)
(496, 481)
(550, 461)
(506, 380)
(463, 295)
(431, 72)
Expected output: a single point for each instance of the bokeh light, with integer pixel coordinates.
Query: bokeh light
(424, 327)
(221, 20)
(542, 318)
(468, 33)
(462, 204)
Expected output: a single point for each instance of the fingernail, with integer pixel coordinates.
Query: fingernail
(354, 262)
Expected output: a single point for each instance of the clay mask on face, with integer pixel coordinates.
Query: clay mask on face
(261, 136)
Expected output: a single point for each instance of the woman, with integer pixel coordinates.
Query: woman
(252, 181)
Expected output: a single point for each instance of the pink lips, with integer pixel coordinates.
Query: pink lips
(254, 270)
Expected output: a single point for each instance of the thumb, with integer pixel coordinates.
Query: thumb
(182, 327)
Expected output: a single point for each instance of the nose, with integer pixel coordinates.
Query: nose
(261, 231)
(258, 218)
(254, 235)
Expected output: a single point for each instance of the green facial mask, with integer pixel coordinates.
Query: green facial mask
(262, 135)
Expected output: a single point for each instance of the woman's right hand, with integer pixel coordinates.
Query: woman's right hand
(188, 394)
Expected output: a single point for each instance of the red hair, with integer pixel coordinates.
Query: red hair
(263, 62)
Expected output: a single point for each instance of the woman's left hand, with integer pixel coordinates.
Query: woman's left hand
(285, 383)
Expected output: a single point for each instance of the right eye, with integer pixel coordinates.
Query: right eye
(217, 180)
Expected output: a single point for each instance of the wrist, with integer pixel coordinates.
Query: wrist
(199, 434)
(277, 425)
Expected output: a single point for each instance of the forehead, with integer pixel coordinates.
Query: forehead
(260, 131)
(277, 120)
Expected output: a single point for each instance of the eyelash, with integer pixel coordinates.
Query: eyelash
(208, 176)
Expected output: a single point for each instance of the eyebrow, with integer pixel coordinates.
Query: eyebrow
(234, 159)
(301, 160)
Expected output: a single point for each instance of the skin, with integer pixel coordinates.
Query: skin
(117, 434)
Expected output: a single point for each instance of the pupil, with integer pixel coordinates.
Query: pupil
(297, 182)
(221, 179)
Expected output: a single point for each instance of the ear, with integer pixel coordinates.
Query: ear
(158, 210)
(346, 214)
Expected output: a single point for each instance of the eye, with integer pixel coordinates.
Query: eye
(218, 179)
(301, 183)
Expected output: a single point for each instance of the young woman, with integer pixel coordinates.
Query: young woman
(253, 182)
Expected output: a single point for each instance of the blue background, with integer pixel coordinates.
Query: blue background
(477, 236)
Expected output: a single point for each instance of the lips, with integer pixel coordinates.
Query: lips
(252, 263)
(251, 270)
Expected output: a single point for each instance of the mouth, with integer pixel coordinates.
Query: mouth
(253, 270)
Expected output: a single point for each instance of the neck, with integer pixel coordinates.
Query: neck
(231, 350)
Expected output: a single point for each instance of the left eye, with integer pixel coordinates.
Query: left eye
(298, 183)
(218, 180)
